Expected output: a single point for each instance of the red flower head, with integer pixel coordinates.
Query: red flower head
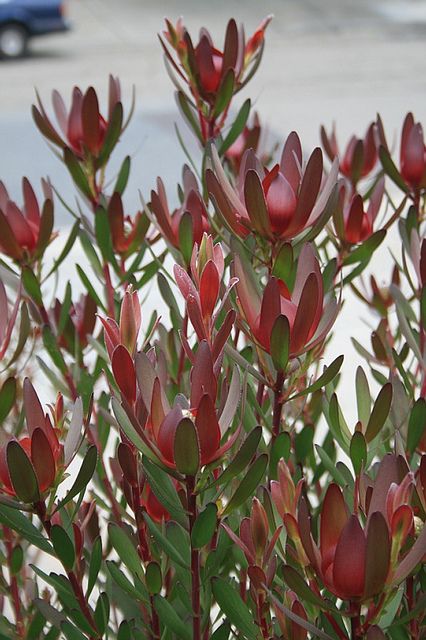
(125, 333)
(413, 153)
(83, 129)
(276, 204)
(360, 156)
(357, 224)
(357, 562)
(25, 232)
(39, 454)
(309, 319)
(127, 234)
(163, 420)
(202, 293)
(190, 217)
(203, 66)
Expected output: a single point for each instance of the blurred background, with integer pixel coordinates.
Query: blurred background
(324, 61)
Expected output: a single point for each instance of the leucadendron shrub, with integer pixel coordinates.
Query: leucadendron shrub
(192, 475)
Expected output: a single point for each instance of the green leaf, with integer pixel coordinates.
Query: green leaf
(90, 288)
(32, 286)
(303, 443)
(363, 396)
(126, 550)
(242, 458)
(123, 176)
(129, 430)
(163, 543)
(22, 474)
(330, 466)
(358, 452)
(95, 565)
(328, 376)
(296, 583)
(186, 448)
(186, 236)
(204, 526)
(225, 93)
(281, 448)
(188, 114)
(235, 610)
(123, 581)
(280, 342)
(364, 252)
(170, 619)
(222, 632)
(124, 632)
(71, 632)
(112, 134)
(391, 170)
(77, 173)
(416, 425)
(248, 485)
(164, 490)
(103, 237)
(84, 475)
(63, 546)
(46, 227)
(283, 263)
(17, 521)
(16, 560)
(380, 412)
(67, 248)
(101, 615)
(237, 127)
(51, 346)
(153, 577)
(7, 397)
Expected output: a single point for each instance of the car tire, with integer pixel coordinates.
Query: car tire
(13, 41)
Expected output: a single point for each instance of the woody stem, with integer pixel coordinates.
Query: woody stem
(195, 560)
(278, 404)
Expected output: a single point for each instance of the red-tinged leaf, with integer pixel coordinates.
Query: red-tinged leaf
(349, 560)
(74, 435)
(357, 161)
(194, 313)
(413, 557)
(379, 413)
(296, 583)
(46, 227)
(247, 293)
(186, 448)
(391, 170)
(232, 401)
(186, 233)
(128, 465)
(314, 631)
(163, 218)
(112, 134)
(280, 342)
(291, 160)
(223, 205)
(167, 431)
(208, 430)
(21, 473)
(236, 540)
(223, 334)
(353, 227)
(230, 50)
(358, 452)
(77, 173)
(225, 93)
(8, 242)
(256, 204)
(387, 474)
(269, 311)
(401, 523)
(124, 372)
(297, 631)
(308, 190)
(375, 633)
(45, 127)
(156, 406)
(43, 460)
(209, 288)
(306, 314)
(377, 556)
(334, 517)
(90, 121)
(34, 413)
(304, 525)
(7, 397)
(203, 380)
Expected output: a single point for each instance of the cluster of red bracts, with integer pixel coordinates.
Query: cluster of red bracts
(188, 220)
(353, 221)
(203, 66)
(83, 129)
(355, 561)
(40, 451)
(127, 234)
(308, 313)
(360, 156)
(143, 394)
(276, 204)
(413, 154)
(79, 324)
(25, 232)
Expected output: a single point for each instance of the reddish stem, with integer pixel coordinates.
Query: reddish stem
(14, 591)
(195, 560)
(278, 404)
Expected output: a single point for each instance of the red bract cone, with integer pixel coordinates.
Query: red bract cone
(29, 466)
(309, 317)
(126, 332)
(357, 562)
(83, 129)
(187, 223)
(360, 156)
(206, 426)
(206, 68)
(413, 153)
(25, 232)
(127, 234)
(278, 204)
(356, 223)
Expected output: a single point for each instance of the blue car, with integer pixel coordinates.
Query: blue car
(20, 20)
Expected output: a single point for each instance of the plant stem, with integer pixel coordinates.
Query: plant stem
(14, 592)
(355, 621)
(278, 404)
(195, 560)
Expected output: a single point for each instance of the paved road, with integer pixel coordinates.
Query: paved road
(325, 60)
